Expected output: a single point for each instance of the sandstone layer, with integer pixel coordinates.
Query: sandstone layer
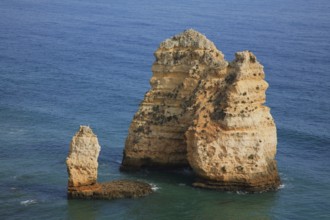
(82, 171)
(207, 113)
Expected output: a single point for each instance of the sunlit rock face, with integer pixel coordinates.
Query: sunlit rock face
(82, 171)
(207, 113)
(82, 159)
(232, 142)
(156, 134)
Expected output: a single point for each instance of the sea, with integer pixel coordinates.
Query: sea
(66, 63)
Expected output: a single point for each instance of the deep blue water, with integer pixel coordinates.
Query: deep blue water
(69, 62)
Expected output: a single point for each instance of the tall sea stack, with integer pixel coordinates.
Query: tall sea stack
(82, 159)
(232, 141)
(207, 113)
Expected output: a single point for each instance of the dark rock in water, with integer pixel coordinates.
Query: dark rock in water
(111, 190)
(82, 170)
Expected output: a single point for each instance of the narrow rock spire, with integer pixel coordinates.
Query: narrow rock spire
(82, 159)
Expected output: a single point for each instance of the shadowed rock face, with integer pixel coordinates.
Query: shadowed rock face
(82, 170)
(208, 113)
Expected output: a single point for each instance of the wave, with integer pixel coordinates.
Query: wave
(281, 186)
(241, 192)
(154, 187)
(28, 202)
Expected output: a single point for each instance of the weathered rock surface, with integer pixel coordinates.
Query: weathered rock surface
(156, 134)
(232, 141)
(82, 159)
(111, 190)
(82, 170)
(208, 113)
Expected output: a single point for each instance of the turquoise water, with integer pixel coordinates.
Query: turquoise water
(66, 63)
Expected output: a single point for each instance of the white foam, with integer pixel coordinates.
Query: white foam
(154, 187)
(182, 184)
(28, 202)
(281, 186)
(241, 192)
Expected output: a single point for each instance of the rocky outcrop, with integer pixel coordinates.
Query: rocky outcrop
(117, 189)
(156, 134)
(208, 113)
(82, 171)
(82, 159)
(232, 141)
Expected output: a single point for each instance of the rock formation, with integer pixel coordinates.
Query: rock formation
(208, 113)
(156, 135)
(82, 159)
(232, 141)
(116, 189)
(82, 170)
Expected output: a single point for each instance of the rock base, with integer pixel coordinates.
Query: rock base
(262, 183)
(111, 190)
(238, 186)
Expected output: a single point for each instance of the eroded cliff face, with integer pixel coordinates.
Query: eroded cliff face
(156, 134)
(232, 142)
(208, 113)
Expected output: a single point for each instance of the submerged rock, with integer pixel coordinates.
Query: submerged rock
(207, 113)
(82, 170)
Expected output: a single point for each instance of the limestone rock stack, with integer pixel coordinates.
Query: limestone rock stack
(82, 171)
(232, 142)
(82, 159)
(208, 113)
(156, 134)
